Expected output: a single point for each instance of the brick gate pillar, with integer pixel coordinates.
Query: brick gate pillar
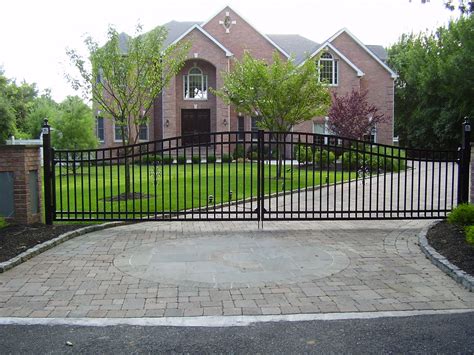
(20, 183)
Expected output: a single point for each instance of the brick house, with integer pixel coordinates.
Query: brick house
(187, 106)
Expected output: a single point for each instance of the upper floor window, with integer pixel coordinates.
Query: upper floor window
(328, 72)
(195, 85)
(100, 129)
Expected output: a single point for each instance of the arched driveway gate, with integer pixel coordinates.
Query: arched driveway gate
(254, 176)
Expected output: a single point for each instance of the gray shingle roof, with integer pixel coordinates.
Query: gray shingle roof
(176, 29)
(297, 46)
(379, 51)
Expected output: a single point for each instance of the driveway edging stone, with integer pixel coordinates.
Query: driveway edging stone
(42, 247)
(442, 263)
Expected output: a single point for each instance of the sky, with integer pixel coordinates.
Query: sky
(34, 34)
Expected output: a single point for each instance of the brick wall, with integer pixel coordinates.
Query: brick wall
(20, 160)
(377, 81)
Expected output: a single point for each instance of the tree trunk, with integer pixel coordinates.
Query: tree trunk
(126, 163)
(281, 138)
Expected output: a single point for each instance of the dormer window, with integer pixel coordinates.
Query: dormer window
(328, 72)
(195, 85)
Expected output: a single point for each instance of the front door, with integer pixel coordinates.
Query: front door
(194, 125)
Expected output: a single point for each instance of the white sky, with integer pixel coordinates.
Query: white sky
(34, 34)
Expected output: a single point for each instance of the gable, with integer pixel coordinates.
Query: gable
(236, 34)
(201, 31)
(360, 54)
(329, 47)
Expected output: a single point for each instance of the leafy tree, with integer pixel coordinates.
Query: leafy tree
(464, 6)
(74, 126)
(7, 120)
(352, 116)
(435, 87)
(22, 99)
(126, 76)
(44, 107)
(281, 93)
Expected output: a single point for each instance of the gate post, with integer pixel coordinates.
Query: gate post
(465, 160)
(260, 168)
(48, 206)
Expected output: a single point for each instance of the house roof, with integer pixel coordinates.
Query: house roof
(177, 29)
(379, 51)
(297, 46)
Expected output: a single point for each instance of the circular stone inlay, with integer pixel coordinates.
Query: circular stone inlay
(231, 262)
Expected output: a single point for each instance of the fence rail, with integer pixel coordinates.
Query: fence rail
(253, 176)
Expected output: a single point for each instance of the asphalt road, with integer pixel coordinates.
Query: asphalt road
(418, 334)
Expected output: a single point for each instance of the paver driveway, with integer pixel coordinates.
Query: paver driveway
(230, 268)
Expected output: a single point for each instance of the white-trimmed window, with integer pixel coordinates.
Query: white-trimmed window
(118, 132)
(100, 131)
(372, 135)
(195, 84)
(328, 69)
(143, 132)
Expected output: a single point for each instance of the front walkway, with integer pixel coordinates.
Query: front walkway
(158, 269)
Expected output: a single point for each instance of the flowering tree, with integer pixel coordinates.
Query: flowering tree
(352, 116)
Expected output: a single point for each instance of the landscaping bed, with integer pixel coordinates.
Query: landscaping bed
(450, 241)
(15, 239)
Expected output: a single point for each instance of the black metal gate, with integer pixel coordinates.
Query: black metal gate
(254, 176)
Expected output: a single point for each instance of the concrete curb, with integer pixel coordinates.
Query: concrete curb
(39, 248)
(441, 262)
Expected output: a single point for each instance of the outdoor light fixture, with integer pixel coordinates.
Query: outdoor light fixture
(225, 122)
(167, 123)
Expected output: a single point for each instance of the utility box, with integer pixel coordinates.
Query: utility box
(20, 183)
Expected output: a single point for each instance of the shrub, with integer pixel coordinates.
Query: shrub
(151, 159)
(462, 215)
(239, 151)
(167, 159)
(253, 156)
(352, 160)
(196, 159)
(304, 154)
(469, 230)
(211, 159)
(3, 222)
(181, 159)
(324, 157)
(226, 158)
(268, 152)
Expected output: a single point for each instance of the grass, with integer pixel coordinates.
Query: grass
(175, 187)
(3, 222)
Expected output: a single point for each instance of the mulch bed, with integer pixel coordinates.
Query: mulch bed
(450, 241)
(15, 239)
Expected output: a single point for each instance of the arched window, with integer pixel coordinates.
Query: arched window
(328, 69)
(195, 84)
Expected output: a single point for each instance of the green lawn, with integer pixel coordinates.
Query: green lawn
(171, 188)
